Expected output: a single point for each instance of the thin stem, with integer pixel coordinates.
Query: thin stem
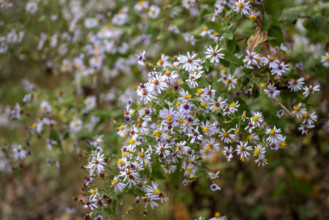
(283, 107)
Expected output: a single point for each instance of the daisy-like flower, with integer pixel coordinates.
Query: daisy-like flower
(242, 7)
(96, 164)
(153, 191)
(280, 69)
(270, 61)
(213, 176)
(45, 107)
(214, 54)
(90, 102)
(140, 58)
(163, 61)
(304, 128)
(242, 150)
(299, 111)
(259, 150)
(225, 136)
(145, 93)
(184, 96)
(325, 60)
(251, 59)
(75, 125)
(252, 15)
(195, 135)
(274, 135)
(31, 7)
(310, 90)
(229, 81)
(271, 91)
(170, 76)
(256, 119)
(189, 62)
(280, 113)
(261, 161)
(207, 128)
(192, 80)
(157, 83)
(154, 11)
(18, 152)
(206, 31)
(151, 202)
(228, 153)
(217, 217)
(310, 118)
(296, 85)
(214, 187)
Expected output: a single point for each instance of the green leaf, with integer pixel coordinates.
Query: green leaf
(230, 57)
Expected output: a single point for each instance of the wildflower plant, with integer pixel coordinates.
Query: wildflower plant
(211, 79)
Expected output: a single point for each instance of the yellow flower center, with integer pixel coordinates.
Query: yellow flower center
(327, 58)
(156, 192)
(252, 17)
(205, 129)
(131, 141)
(217, 215)
(255, 118)
(225, 134)
(297, 108)
(141, 154)
(158, 134)
(34, 126)
(187, 96)
(122, 127)
(257, 151)
(240, 5)
(272, 132)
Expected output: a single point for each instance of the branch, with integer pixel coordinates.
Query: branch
(283, 107)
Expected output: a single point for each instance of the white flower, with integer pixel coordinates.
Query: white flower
(310, 118)
(154, 11)
(140, 58)
(296, 85)
(45, 107)
(251, 59)
(325, 60)
(228, 153)
(271, 91)
(280, 69)
(75, 125)
(274, 135)
(271, 61)
(304, 128)
(242, 150)
(310, 90)
(31, 7)
(214, 187)
(242, 7)
(18, 152)
(90, 102)
(214, 54)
